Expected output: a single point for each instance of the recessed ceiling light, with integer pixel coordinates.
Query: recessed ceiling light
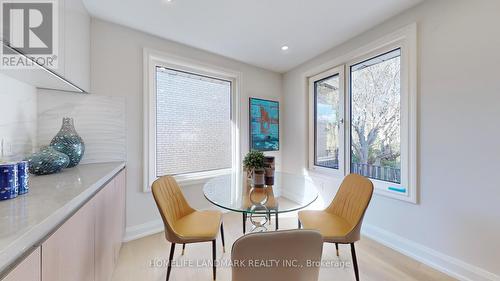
(284, 48)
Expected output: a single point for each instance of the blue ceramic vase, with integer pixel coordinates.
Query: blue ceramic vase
(47, 161)
(69, 142)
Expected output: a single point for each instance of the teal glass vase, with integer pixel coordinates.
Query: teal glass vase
(69, 142)
(47, 161)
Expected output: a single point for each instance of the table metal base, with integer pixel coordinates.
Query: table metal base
(260, 222)
(259, 215)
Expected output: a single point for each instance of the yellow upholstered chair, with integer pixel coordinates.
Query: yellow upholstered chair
(183, 224)
(340, 223)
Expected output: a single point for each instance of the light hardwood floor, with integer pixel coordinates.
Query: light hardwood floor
(376, 262)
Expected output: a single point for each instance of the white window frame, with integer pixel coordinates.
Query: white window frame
(406, 40)
(152, 59)
(312, 119)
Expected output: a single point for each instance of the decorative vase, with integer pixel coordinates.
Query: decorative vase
(258, 177)
(47, 161)
(69, 142)
(269, 170)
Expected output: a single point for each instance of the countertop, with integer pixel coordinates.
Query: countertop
(26, 220)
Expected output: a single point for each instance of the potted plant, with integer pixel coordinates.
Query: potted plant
(254, 166)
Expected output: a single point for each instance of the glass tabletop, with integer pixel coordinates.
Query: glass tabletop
(234, 192)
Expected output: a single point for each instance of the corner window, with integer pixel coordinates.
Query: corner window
(327, 134)
(378, 107)
(327, 125)
(375, 99)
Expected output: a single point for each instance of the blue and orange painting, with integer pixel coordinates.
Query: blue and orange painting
(264, 125)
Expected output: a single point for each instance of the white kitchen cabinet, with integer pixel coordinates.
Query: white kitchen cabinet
(68, 254)
(74, 43)
(104, 232)
(27, 270)
(73, 56)
(120, 212)
(110, 224)
(86, 246)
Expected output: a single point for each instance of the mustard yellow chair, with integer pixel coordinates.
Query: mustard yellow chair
(340, 223)
(183, 224)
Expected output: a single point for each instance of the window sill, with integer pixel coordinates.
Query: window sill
(195, 178)
(200, 177)
(321, 171)
(380, 187)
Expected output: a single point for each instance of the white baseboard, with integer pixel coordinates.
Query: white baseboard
(439, 261)
(143, 230)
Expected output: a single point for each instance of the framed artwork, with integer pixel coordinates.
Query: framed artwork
(264, 125)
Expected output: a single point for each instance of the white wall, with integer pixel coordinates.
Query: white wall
(117, 70)
(18, 121)
(456, 225)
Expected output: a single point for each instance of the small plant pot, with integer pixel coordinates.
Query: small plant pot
(250, 175)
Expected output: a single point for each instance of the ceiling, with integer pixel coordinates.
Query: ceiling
(253, 31)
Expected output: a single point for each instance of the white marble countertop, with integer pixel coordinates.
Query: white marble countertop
(29, 218)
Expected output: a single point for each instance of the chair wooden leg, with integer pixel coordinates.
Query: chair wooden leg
(169, 267)
(183, 248)
(244, 215)
(299, 224)
(222, 237)
(354, 261)
(337, 247)
(214, 257)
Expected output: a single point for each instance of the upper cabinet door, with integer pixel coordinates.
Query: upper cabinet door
(68, 254)
(74, 44)
(27, 270)
(64, 61)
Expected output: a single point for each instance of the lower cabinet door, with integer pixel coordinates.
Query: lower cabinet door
(68, 254)
(106, 205)
(27, 270)
(119, 228)
(109, 226)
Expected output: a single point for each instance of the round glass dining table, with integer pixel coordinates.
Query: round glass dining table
(234, 192)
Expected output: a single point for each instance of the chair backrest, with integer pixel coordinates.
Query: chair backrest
(351, 201)
(171, 204)
(277, 256)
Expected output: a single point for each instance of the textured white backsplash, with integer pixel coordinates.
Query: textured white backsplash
(18, 118)
(98, 119)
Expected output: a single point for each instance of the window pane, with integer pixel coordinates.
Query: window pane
(193, 123)
(376, 118)
(327, 125)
